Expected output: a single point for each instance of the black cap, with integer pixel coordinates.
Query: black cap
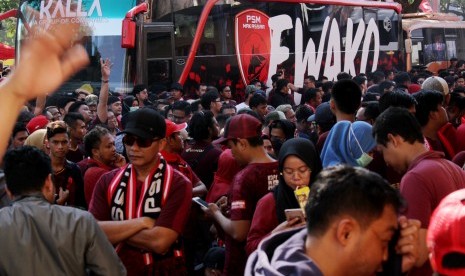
(145, 123)
(176, 86)
(214, 258)
(113, 99)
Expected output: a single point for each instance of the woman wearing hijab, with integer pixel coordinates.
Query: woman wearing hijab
(348, 143)
(299, 164)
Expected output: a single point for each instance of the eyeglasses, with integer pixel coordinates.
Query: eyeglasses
(301, 171)
(268, 147)
(129, 140)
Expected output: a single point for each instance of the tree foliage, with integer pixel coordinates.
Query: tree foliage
(409, 6)
(8, 26)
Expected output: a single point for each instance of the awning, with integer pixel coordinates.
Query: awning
(6, 52)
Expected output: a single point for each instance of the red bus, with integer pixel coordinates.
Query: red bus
(432, 40)
(233, 42)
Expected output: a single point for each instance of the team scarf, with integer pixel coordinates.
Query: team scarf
(123, 200)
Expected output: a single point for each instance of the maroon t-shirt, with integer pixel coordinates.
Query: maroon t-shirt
(427, 181)
(91, 176)
(249, 186)
(203, 159)
(264, 221)
(173, 215)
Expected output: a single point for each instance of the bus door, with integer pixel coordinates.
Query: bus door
(158, 56)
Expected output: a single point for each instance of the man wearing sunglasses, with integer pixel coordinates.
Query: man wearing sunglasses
(143, 206)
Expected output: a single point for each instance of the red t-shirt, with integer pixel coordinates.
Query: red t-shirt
(427, 181)
(264, 221)
(249, 186)
(91, 176)
(173, 215)
(176, 161)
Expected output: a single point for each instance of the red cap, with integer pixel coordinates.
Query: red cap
(36, 123)
(413, 88)
(241, 126)
(172, 127)
(446, 232)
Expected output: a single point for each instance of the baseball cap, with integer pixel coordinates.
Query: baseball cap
(91, 100)
(86, 89)
(436, 83)
(36, 123)
(113, 99)
(172, 127)
(176, 86)
(240, 126)
(446, 233)
(145, 123)
(250, 89)
(323, 115)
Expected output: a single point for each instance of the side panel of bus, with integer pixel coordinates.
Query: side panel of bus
(304, 39)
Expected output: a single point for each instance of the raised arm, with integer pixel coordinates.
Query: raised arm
(102, 106)
(54, 52)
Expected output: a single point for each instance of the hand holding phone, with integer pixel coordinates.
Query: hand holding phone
(294, 213)
(200, 202)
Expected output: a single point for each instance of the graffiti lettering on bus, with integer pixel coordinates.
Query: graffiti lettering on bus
(254, 25)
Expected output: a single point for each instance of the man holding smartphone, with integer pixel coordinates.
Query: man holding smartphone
(352, 215)
(243, 136)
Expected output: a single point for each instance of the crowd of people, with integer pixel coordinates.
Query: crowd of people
(365, 175)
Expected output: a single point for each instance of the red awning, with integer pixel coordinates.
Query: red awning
(6, 52)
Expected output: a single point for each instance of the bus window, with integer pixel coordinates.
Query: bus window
(435, 46)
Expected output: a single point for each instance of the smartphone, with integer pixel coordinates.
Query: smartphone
(200, 201)
(294, 213)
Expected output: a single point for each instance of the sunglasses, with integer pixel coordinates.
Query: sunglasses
(129, 140)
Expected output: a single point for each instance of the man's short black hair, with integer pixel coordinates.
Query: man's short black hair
(26, 170)
(208, 98)
(345, 190)
(359, 80)
(56, 127)
(343, 76)
(183, 106)
(287, 127)
(347, 96)
(427, 101)
(396, 98)
(256, 100)
(280, 84)
(401, 77)
(378, 77)
(93, 139)
(308, 95)
(61, 102)
(372, 110)
(200, 124)
(302, 113)
(275, 78)
(385, 85)
(227, 106)
(20, 126)
(71, 119)
(250, 112)
(397, 121)
(138, 88)
(74, 107)
(310, 78)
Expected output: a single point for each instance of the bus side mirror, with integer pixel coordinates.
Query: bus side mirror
(408, 46)
(128, 29)
(128, 33)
